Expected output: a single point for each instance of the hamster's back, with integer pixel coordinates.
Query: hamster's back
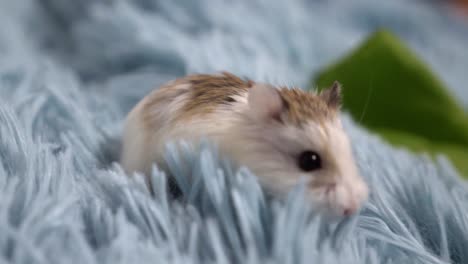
(186, 108)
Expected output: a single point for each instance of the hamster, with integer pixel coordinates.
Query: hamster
(281, 134)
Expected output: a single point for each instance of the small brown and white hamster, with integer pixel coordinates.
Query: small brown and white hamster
(279, 133)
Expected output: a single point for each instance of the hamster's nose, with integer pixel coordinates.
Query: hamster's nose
(348, 211)
(360, 194)
(355, 201)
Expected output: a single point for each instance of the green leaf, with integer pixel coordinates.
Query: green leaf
(386, 87)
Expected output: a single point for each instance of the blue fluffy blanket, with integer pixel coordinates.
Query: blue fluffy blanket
(70, 71)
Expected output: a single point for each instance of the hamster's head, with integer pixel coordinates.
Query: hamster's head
(291, 134)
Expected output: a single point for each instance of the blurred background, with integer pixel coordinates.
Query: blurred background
(70, 70)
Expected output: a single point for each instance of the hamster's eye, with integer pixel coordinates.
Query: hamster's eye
(309, 161)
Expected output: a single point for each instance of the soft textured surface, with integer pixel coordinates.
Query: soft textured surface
(70, 70)
(392, 92)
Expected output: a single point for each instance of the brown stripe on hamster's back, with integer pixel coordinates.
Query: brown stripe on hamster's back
(207, 92)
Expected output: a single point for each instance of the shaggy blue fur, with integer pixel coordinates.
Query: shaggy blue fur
(70, 70)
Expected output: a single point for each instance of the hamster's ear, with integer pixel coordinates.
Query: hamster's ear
(332, 95)
(265, 102)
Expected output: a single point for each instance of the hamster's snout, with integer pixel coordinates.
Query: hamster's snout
(349, 197)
